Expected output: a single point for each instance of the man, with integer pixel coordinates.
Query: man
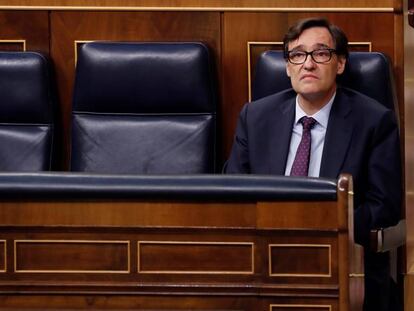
(319, 129)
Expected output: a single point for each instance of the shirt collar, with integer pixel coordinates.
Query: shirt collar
(321, 116)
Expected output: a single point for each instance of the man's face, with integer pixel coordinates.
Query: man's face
(313, 80)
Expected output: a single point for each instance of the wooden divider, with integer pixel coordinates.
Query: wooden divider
(170, 255)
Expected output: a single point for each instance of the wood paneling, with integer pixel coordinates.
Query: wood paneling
(143, 260)
(32, 27)
(69, 27)
(169, 214)
(289, 4)
(300, 260)
(195, 257)
(268, 216)
(409, 289)
(52, 256)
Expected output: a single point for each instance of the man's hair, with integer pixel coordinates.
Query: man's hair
(338, 36)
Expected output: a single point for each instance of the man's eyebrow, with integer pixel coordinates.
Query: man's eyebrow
(299, 47)
(321, 45)
(315, 46)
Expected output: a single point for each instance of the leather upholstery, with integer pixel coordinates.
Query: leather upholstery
(361, 74)
(26, 112)
(144, 108)
(203, 187)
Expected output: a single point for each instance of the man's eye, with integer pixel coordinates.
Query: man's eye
(321, 53)
(297, 54)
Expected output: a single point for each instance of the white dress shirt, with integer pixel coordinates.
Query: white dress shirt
(317, 137)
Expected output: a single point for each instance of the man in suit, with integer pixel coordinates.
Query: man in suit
(319, 129)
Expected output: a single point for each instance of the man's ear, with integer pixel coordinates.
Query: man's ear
(341, 65)
(287, 70)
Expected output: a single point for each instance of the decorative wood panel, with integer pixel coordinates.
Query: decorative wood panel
(66, 256)
(195, 257)
(310, 257)
(148, 255)
(300, 260)
(21, 31)
(144, 214)
(127, 302)
(269, 216)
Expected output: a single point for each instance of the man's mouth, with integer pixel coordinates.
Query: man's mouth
(308, 76)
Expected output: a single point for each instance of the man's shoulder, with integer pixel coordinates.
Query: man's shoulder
(360, 102)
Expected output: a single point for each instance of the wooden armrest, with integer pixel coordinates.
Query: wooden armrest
(383, 240)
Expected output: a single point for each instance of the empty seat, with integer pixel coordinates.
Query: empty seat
(26, 112)
(144, 108)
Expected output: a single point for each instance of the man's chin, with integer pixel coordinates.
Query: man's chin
(313, 95)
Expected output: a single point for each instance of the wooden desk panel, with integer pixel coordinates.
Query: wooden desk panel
(199, 4)
(149, 255)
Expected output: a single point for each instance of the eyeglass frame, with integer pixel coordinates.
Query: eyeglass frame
(331, 51)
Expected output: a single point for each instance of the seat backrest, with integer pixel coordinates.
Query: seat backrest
(366, 72)
(26, 112)
(144, 108)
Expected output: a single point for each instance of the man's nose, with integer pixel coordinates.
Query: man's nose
(309, 62)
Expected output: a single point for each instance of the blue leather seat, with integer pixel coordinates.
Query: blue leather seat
(26, 112)
(144, 108)
(366, 72)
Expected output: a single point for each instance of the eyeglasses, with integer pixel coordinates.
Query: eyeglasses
(319, 56)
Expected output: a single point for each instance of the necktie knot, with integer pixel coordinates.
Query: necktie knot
(307, 122)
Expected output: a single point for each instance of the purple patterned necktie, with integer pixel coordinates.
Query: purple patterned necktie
(300, 165)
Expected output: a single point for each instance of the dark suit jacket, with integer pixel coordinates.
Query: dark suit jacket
(362, 139)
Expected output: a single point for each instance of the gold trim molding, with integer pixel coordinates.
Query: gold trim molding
(127, 243)
(5, 256)
(367, 43)
(76, 44)
(139, 270)
(20, 41)
(328, 307)
(356, 275)
(200, 9)
(321, 275)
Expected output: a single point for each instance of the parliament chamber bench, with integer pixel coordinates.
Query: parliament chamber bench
(174, 242)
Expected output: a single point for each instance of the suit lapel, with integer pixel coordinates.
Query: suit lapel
(280, 129)
(338, 137)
